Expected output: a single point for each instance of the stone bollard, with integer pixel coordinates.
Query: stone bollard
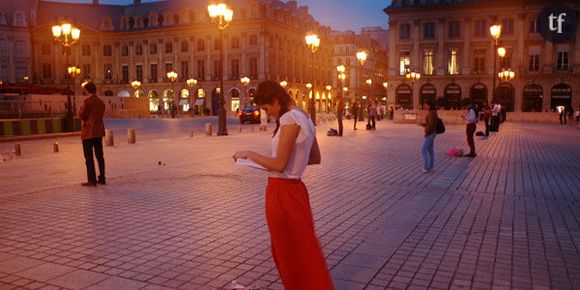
(55, 147)
(208, 129)
(131, 136)
(109, 140)
(17, 150)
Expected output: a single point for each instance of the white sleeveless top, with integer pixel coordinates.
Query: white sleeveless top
(301, 150)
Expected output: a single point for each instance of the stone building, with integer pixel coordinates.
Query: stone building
(144, 41)
(449, 43)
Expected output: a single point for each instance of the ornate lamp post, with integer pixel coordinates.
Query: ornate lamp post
(245, 82)
(328, 91)
(313, 42)
(172, 77)
(361, 56)
(222, 15)
(67, 35)
(495, 32)
(192, 83)
(136, 85)
(413, 77)
(73, 72)
(506, 75)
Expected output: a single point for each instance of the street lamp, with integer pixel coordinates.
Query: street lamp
(222, 15)
(172, 77)
(245, 81)
(136, 85)
(284, 84)
(67, 35)
(413, 77)
(495, 32)
(73, 72)
(361, 56)
(192, 83)
(506, 75)
(313, 42)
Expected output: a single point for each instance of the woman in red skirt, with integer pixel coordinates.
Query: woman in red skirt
(295, 247)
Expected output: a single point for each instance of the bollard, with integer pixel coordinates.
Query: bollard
(191, 134)
(131, 135)
(109, 140)
(17, 150)
(55, 147)
(208, 129)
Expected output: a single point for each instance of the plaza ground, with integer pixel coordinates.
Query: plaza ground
(178, 214)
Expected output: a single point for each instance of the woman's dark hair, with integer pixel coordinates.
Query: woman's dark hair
(431, 104)
(267, 92)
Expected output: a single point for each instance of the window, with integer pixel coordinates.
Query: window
(508, 26)
(253, 68)
(45, 49)
(125, 73)
(452, 66)
(217, 44)
(235, 42)
(184, 46)
(429, 30)
(428, 63)
(21, 71)
(46, 71)
(481, 27)
(479, 61)
(20, 46)
(454, 29)
(404, 62)
(153, 48)
(200, 45)
(108, 69)
(168, 47)
(168, 67)
(3, 48)
(201, 69)
(534, 65)
(534, 26)
(19, 19)
(405, 31)
(562, 62)
(139, 49)
(217, 69)
(107, 50)
(86, 50)
(139, 72)
(184, 70)
(124, 50)
(253, 40)
(153, 73)
(86, 71)
(235, 69)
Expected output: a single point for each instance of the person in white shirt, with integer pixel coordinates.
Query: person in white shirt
(471, 120)
(495, 111)
(295, 247)
(263, 120)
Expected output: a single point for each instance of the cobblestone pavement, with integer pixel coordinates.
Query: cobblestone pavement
(509, 218)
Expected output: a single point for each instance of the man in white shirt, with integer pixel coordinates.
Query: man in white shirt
(495, 111)
(470, 119)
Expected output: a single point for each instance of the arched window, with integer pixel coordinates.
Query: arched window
(452, 96)
(533, 96)
(404, 96)
(19, 19)
(561, 96)
(109, 93)
(478, 94)
(427, 93)
(505, 95)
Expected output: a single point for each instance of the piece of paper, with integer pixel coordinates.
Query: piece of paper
(250, 163)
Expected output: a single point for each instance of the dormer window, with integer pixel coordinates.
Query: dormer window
(153, 20)
(184, 17)
(167, 19)
(138, 22)
(124, 23)
(106, 24)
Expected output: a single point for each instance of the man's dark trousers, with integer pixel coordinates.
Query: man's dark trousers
(340, 128)
(96, 145)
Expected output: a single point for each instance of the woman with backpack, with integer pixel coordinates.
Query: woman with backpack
(430, 134)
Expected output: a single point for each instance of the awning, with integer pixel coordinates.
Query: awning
(199, 102)
(183, 102)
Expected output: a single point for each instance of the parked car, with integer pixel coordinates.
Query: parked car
(250, 114)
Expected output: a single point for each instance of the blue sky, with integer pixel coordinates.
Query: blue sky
(338, 14)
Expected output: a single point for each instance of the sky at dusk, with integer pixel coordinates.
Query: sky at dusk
(338, 14)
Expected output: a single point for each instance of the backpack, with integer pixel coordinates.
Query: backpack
(332, 132)
(439, 126)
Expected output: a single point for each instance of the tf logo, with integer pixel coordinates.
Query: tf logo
(557, 22)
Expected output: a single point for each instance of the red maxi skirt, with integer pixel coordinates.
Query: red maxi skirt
(295, 248)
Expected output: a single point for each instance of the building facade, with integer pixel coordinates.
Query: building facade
(144, 41)
(371, 40)
(449, 43)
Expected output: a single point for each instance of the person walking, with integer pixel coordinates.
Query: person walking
(373, 116)
(339, 114)
(471, 120)
(295, 247)
(486, 117)
(92, 132)
(354, 109)
(430, 133)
